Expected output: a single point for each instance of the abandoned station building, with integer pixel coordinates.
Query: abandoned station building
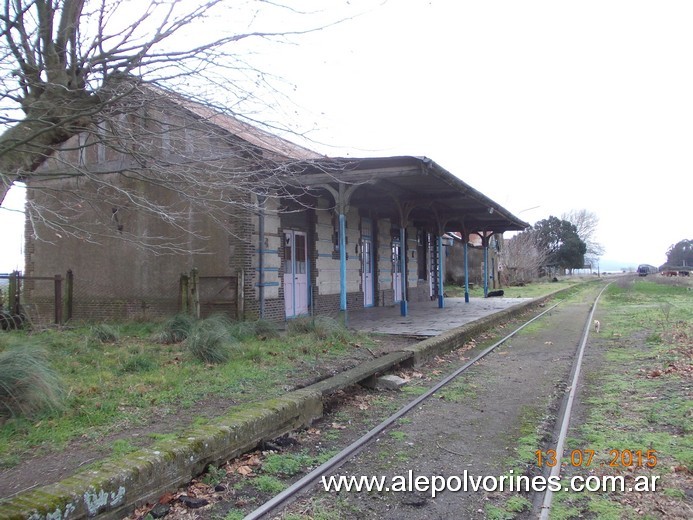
(169, 202)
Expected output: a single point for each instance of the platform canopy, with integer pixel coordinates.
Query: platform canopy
(430, 195)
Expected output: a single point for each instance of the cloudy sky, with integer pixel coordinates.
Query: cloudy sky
(544, 106)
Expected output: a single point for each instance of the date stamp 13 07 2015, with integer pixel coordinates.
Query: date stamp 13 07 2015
(585, 458)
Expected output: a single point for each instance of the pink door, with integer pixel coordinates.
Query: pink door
(397, 269)
(295, 273)
(367, 262)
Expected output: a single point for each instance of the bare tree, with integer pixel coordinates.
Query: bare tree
(586, 223)
(522, 257)
(83, 80)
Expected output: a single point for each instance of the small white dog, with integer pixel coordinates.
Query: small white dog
(597, 326)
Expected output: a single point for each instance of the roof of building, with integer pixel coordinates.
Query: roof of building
(234, 125)
(421, 185)
(418, 185)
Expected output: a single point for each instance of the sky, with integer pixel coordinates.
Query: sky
(544, 106)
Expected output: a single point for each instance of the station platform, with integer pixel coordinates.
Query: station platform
(425, 319)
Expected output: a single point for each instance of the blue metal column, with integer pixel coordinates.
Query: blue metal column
(466, 273)
(403, 306)
(485, 267)
(441, 298)
(342, 265)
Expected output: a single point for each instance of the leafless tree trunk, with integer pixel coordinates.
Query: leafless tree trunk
(586, 223)
(79, 80)
(522, 257)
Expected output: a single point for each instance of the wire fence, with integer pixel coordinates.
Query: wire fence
(43, 301)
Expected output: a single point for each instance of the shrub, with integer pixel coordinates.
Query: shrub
(210, 340)
(28, 384)
(176, 329)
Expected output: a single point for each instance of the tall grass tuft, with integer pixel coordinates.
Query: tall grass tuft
(176, 329)
(210, 340)
(266, 329)
(322, 327)
(28, 384)
(261, 329)
(104, 333)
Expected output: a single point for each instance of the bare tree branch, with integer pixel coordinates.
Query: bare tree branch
(68, 58)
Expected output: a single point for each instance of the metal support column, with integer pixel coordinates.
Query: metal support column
(342, 267)
(441, 290)
(466, 273)
(403, 306)
(485, 267)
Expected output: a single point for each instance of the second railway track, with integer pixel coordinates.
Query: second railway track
(518, 381)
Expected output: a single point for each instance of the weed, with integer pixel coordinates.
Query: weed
(496, 513)
(28, 383)
(398, 436)
(674, 493)
(414, 389)
(286, 465)
(605, 509)
(518, 504)
(290, 464)
(458, 391)
(213, 476)
(122, 447)
(665, 309)
(268, 484)
(654, 337)
(138, 363)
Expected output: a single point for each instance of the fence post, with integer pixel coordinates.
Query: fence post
(183, 288)
(195, 292)
(69, 292)
(240, 295)
(58, 292)
(13, 296)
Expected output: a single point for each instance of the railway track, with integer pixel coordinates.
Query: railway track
(570, 323)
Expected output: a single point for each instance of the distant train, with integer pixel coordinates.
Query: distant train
(645, 269)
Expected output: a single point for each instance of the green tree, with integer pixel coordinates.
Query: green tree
(681, 254)
(561, 243)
